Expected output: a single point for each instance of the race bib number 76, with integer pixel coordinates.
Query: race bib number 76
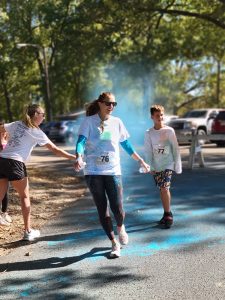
(104, 158)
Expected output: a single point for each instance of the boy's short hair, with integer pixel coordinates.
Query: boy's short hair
(156, 107)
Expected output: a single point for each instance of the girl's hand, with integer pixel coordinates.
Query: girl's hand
(79, 164)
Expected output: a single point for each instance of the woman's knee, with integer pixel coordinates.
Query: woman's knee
(118, 212)
(105, 219)
(25, 201)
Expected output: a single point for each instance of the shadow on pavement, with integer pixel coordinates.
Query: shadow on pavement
(59, 238)
(53, 262)
(68, 284)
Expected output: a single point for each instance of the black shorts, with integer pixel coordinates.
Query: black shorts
(12, 169)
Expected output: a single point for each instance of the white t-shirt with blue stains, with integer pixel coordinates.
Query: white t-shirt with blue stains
(22, 140)
(102, 153)
(162, 150)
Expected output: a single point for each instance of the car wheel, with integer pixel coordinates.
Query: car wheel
(201, 132)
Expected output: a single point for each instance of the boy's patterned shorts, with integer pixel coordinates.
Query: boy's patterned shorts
(163, 178)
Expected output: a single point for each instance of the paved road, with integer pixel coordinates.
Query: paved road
(70, 260)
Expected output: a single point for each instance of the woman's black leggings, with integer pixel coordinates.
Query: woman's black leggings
(103, 187)
(5, 203)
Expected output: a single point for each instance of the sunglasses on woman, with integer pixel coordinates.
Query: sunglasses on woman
(108, 103)
(41, 113)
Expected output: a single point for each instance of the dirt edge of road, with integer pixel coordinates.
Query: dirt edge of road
(49, 195)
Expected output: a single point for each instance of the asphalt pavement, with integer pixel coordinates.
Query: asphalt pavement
(70, 260)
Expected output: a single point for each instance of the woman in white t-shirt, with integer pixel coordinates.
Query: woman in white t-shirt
(23, 136)
(100, 135)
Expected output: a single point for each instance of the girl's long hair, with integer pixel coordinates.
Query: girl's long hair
(93, 107)
(29, 113)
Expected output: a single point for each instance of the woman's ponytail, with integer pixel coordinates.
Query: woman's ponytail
(92, 108)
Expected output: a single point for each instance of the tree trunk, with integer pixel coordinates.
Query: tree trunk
(45, 86)
(7, 98)
(218, 83)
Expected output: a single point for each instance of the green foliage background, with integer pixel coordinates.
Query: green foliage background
(145, 51)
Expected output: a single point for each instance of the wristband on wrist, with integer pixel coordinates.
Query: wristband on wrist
(78, 156)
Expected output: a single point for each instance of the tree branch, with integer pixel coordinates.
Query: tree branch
(188, 102)
(195, 86)
(204, 17)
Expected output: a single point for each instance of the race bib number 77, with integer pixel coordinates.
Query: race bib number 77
(160, 149)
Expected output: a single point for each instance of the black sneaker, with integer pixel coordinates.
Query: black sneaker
(162, 221)
(167, 220)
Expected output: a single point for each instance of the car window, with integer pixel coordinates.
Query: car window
(57, 125)
(46, 125)
(221, 115)
(195, 114)
(71, 123)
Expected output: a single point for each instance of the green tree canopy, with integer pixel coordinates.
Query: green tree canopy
(145, 51)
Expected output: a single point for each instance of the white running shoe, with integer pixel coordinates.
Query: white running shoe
(7, 217)
(3, 222)
(123, 236)
(32, 235)
(115, 250)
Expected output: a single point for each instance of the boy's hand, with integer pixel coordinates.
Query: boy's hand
(145, 166)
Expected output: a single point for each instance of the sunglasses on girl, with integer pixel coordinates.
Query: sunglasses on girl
(109, 103)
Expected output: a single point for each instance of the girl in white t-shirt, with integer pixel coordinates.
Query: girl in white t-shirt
(100, 135)
(162, 152)
(23, 136)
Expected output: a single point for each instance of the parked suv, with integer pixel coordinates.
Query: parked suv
(64, 131)
(46, 126)
(198, 120)
(218, 127)
(169, 118)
